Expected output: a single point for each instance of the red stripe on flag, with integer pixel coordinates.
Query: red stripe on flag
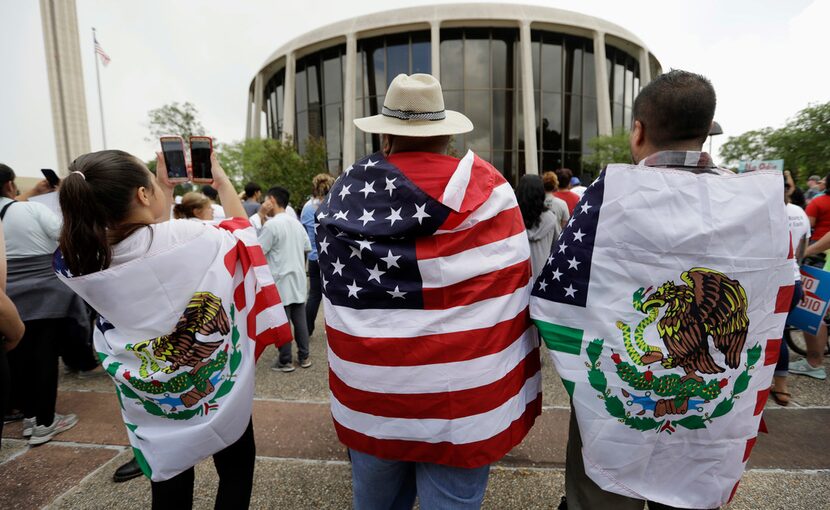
(784, 299)
(231, 258)
(234, 224)
(750, 443)
(239, 296)
(497, 283)
(428, 349)
(505, 224)
(443, 406)
(791, 255)
(772, 351)
(266, 297)
(761, 400)
(468, 455)
(256, 256)
(277, 337)
(734, 489)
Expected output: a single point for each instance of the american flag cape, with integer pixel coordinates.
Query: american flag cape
(431, 358)
(663, 304)
(179, 333)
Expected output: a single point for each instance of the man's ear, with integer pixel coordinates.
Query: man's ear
(385, 144)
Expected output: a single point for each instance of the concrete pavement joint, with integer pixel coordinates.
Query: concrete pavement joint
(55, 502)
(18, 454)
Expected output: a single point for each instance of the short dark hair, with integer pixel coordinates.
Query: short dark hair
(210, 192)
(251, 188)
(564, 176)
(280, 194)
(6, 174)
(677, 106)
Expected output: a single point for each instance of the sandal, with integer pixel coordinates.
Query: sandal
(781, 398)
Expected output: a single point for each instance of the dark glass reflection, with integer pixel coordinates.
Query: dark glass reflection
(624, 84)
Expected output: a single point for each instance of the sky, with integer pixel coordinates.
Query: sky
(766, 59)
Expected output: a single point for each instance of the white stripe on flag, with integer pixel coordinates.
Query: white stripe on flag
(271, 317)
(444, 271)
(456, 189)
(500, 199)
(464, 430)
(407, 323)
(436, 378)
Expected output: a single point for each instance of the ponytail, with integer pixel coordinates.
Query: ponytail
(95, 199)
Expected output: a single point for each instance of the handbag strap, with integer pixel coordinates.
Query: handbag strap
(5, 207)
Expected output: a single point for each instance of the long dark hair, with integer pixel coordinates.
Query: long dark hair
(530, 194)
(95, 205)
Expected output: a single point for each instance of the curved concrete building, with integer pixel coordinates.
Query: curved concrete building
(514, 70)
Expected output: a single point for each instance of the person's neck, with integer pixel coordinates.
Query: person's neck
(279, 211)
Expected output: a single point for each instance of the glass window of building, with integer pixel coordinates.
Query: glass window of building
(565, 95)
(319, 103)
(624, 85)
(479, 76)
(379, 60)
(274, 97)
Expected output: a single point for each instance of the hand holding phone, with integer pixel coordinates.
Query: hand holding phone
(172, 147)
(201, 152)
(51, 177)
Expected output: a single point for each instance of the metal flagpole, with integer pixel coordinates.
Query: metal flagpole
(98, 78)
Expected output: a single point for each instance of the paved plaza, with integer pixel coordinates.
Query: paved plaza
(302, 465)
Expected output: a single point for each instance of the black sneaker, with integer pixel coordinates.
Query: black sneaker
(279, 367)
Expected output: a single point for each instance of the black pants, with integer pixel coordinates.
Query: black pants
(235, 466)
(315, 294)
(34, 369)
(4, 384)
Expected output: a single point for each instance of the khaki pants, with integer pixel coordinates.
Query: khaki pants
(582, 493)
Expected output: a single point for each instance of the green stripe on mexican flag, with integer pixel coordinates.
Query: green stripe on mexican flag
(560, 338)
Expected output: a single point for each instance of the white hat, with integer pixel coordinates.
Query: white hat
(414, 106)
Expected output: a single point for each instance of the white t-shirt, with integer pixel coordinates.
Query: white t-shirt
(285, 243)
(257, 222)
(799, 229)
(31, 229)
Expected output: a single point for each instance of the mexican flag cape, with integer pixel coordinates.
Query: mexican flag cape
(179, 332)
(663, 304)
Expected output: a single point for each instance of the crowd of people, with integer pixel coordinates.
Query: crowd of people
(434, 361)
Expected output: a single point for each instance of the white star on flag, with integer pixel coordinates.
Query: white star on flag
(376, 273)
(395, 215)
(365, 245)
(345, 191)
(324, 245)
(346, 171)
(542, 285)
(571, 221)
(391, 260)
(420, 213)
(367, 216)
(396, 293)
(370, 163)
(556, 274)
(341, 215)
(570, 291)
(369, 187)
(355, 251)
(325, 282)
(585, 208)
(338, 267)
(354, 289)
(578, 235)
(562, 247)
(390, 185)
(573, 263)
(322, 215)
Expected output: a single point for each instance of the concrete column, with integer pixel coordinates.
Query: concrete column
(435, 48)
(645, 68)
(603, 96)
(289, 107)
(248, 116)
(256, 128)
(528, 101)
(349, 98)
(66, 80)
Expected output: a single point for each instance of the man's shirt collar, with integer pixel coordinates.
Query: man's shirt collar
(680, 159)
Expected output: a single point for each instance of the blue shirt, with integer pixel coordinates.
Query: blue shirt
(307, 219)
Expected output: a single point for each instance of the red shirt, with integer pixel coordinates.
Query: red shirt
(819, 209)
(569, 197)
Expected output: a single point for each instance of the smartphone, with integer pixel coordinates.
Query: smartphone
(173, 149)
(51, 176)
(201, 147)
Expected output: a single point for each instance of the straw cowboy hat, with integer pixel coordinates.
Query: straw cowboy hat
(414, 106)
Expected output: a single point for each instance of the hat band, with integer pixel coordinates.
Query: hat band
(410, 115)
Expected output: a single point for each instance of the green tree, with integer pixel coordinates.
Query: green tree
(270, 162)
(175, 119)
(605, 150)
(803, 143)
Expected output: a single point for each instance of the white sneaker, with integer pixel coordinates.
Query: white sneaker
(44, 433)
(28, 425)
(801, 367)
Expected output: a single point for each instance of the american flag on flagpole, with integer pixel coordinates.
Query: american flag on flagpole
(105, 59)
(431, 354)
